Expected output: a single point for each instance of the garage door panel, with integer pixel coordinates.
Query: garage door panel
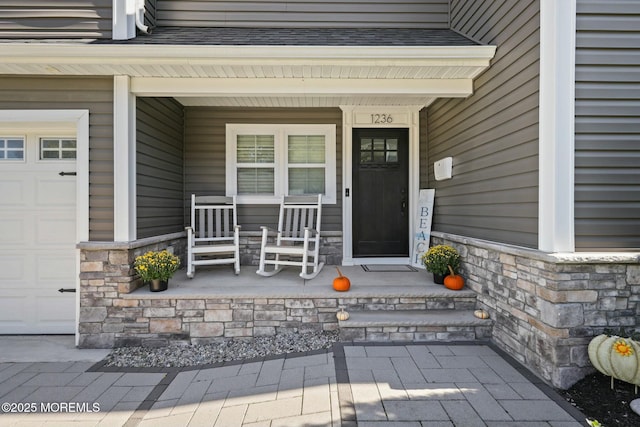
(13, 192)
(55, 269)
(55, 192)
(55, 231)
(12, 267)
(54, 309)
(16, 310)
(13, 231)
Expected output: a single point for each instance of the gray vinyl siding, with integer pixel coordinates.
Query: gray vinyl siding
(424, 150)
(159, 158)
(56, 19)
(493, 134)
(301, 13)
(205, 156)
(607, 128)
(150, 13)
(94, 94)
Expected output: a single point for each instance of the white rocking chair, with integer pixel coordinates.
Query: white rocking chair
(298, 236)
(214, 234)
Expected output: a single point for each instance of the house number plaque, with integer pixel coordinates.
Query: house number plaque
(381, 118)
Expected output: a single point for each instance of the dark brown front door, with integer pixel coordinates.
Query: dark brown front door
(380, 192)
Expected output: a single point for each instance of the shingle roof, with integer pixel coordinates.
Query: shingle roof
(235, 36)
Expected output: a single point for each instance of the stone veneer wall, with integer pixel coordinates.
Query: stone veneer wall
(110, 317)
(106, 273)
(547, 307)
(330, 248)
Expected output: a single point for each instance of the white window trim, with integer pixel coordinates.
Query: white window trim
(280, 133)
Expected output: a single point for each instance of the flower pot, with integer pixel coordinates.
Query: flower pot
(157, 285)
(438, 279)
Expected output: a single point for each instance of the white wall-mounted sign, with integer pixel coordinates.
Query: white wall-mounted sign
(423, 226)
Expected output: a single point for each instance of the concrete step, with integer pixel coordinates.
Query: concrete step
(414, 325)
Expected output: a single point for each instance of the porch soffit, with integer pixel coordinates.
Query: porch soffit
(432, 64)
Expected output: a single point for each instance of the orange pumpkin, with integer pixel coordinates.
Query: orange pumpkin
(341, 283)
(453, 281)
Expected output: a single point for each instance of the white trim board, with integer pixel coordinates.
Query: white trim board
(124, 161)
(556, 229)
(362, 117)
(77, 120)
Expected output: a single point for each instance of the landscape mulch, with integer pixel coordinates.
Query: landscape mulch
(595, 398)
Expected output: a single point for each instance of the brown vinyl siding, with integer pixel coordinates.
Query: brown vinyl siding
(205, 155)
(95, 95)
(56, 19)
(304, 13)
(607, 128)
(159, 166)
(493, 134)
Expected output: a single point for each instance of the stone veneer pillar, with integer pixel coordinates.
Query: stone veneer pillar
(106, 273)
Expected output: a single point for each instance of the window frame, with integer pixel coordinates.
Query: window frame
(39, 140)
(6, 150)
(281, 133)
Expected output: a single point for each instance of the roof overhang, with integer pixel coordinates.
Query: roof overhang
(264, 75)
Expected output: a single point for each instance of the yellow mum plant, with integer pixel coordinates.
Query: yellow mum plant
(156, 265)
(439, 257)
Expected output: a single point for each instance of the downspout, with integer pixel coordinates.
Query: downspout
(140, 9)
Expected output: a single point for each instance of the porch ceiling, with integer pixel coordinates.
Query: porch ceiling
(267, 76)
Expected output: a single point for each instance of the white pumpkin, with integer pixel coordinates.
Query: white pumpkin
(481, 314)
(616, 357)
(342, 315)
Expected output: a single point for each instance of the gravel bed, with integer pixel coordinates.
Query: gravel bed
(227, 350)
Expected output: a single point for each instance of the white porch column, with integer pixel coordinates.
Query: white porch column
(557, 123)
(124, 155)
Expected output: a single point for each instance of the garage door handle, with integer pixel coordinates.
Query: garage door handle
(62, 290)
(67, 173)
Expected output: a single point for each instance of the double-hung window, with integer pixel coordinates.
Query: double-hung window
(265, 161)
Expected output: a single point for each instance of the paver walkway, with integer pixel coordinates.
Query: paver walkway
(354, 385)
(445, 386)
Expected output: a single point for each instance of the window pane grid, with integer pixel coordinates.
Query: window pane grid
(11, 148)
(378, 151)
(57, 148)
(255, 180)
(306, 181)
(306, 149)
(255, 149)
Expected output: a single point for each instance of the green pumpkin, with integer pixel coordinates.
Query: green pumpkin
(616, 357)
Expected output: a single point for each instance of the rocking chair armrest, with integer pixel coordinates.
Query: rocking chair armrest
(312, 231)
(266, 229)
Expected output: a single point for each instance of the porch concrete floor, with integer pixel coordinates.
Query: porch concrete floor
(221, 282)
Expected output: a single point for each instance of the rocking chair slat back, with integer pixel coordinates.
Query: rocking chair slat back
(213, 237)
(296, 214)
(215, 217)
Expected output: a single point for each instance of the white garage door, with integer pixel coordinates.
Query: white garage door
(37, 233)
